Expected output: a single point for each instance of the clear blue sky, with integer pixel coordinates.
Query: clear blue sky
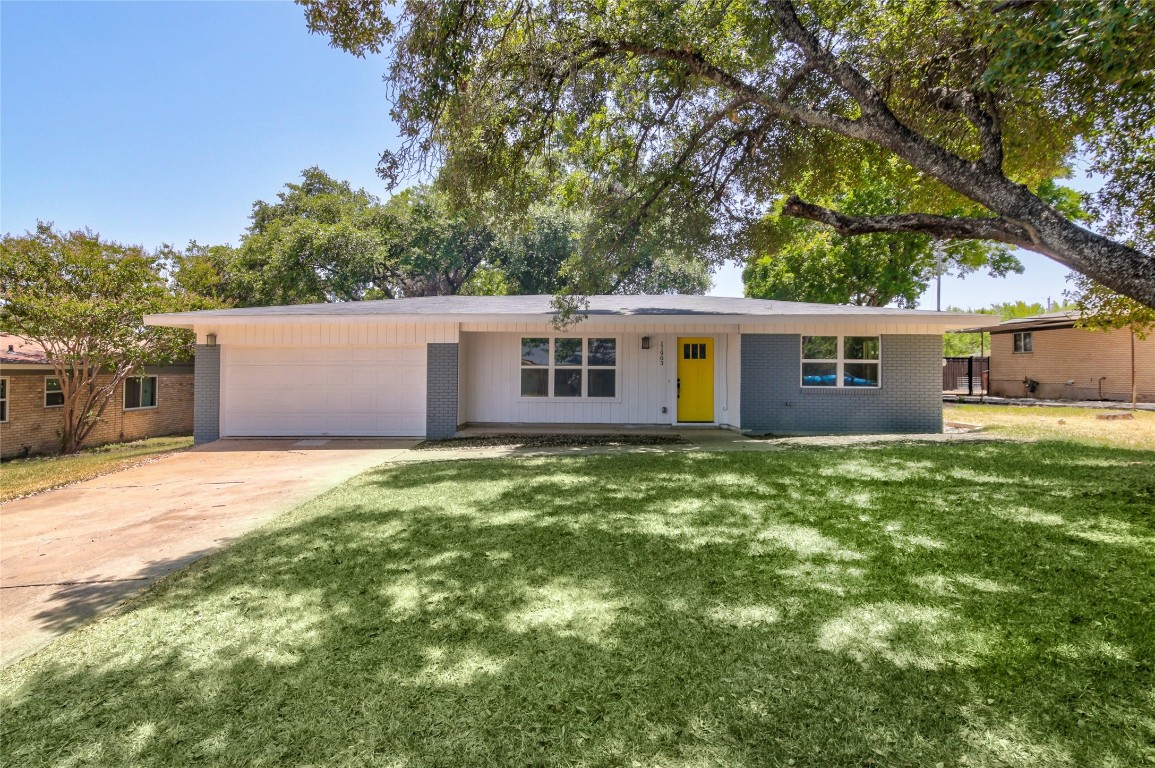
(163, 122)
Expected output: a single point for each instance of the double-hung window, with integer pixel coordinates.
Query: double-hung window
(139, 392)
(569, 367)
(3, 399)
(1024, 342)
(841, 361)
(53, 393)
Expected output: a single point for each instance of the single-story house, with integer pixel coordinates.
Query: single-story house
(158, 402)
(425, 367)
(1047, 357)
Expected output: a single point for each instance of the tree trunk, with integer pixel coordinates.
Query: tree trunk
(1124, 269)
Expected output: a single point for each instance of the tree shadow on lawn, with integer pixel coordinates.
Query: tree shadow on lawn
(901, 605)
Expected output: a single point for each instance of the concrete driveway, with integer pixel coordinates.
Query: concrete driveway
(66, 555)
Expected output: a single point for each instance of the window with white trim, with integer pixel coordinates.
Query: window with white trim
(841, 361)
(53, 393)
(568, 367)
(139, 392)
(3, 399)
(1024, 342)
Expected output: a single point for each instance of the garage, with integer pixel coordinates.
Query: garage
(340, 391)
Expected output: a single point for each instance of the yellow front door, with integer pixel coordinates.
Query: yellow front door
(696, 379)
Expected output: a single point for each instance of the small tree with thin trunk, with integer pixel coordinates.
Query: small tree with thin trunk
(82, 299)
(1101, 309)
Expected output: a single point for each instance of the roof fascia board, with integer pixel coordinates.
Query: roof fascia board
(935, 319)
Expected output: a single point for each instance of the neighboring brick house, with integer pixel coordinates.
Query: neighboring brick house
(1047, 357)
(159, 402)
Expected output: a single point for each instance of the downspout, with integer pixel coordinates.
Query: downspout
(1134, 387)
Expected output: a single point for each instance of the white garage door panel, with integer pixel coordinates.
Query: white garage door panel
(353, 391)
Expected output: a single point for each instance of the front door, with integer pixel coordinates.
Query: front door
(696, 379)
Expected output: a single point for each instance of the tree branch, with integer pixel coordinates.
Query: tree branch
(983, 117)
(698, 65)
(999, 230)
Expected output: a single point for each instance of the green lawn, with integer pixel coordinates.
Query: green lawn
(899, 605)
(1079, 425)
(20, 477)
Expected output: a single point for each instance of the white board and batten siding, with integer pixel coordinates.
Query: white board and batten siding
(329, 333)
(646, 379)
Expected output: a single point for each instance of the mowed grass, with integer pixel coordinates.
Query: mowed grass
(21, 477)
(1078, 425)
(981, 603)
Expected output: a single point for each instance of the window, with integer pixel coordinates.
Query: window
(3, 400)
(1023, 342)
(841, 361)
(569, 367)
(139, 392)
(53, 394)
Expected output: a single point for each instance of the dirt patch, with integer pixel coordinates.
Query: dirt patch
(480, 442)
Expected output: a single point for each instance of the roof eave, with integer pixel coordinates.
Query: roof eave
(192, 321)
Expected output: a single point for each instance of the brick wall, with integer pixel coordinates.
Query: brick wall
(31, 428)
(207, 405)
(441, 391)
(1073, 354)
(774, 401)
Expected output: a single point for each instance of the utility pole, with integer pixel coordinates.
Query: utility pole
(938, 276)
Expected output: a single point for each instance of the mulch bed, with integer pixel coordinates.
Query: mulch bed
(545, 441)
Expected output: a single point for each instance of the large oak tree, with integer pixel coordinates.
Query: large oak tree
(725, 107)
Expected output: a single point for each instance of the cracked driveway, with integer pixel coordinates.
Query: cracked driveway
(69, 554)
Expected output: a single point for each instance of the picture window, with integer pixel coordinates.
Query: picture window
(568, 367)
(841, 361)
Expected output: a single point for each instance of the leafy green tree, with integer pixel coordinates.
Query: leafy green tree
(725, 108)
(82, 299)
(799, 260)
(320, 241)
(324, 241)
(431, 249)
(1101, 309)
(202, 270)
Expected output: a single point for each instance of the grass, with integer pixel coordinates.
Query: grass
(1059, 423)
(901, 605)
(21, 477)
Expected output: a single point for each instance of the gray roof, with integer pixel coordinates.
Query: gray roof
(599, 306)
(1062, 319)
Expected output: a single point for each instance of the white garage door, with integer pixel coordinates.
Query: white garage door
(337, 391)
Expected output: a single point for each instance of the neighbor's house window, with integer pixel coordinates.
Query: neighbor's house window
(53, 394)
(1023, 342)
(3, 400)
(569, 367)
(840, 361)
(140, 392)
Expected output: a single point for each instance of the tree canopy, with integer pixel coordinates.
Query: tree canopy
(693, 112)
(324, 241)
(82, 299)
(799, 260)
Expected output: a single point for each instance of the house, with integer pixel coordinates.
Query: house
(157, 402)
(424, 367)
(1047, 357)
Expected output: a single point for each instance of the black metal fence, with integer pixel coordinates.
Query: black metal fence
(966, 375)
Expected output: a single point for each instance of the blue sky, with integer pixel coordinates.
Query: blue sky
(163, 122)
